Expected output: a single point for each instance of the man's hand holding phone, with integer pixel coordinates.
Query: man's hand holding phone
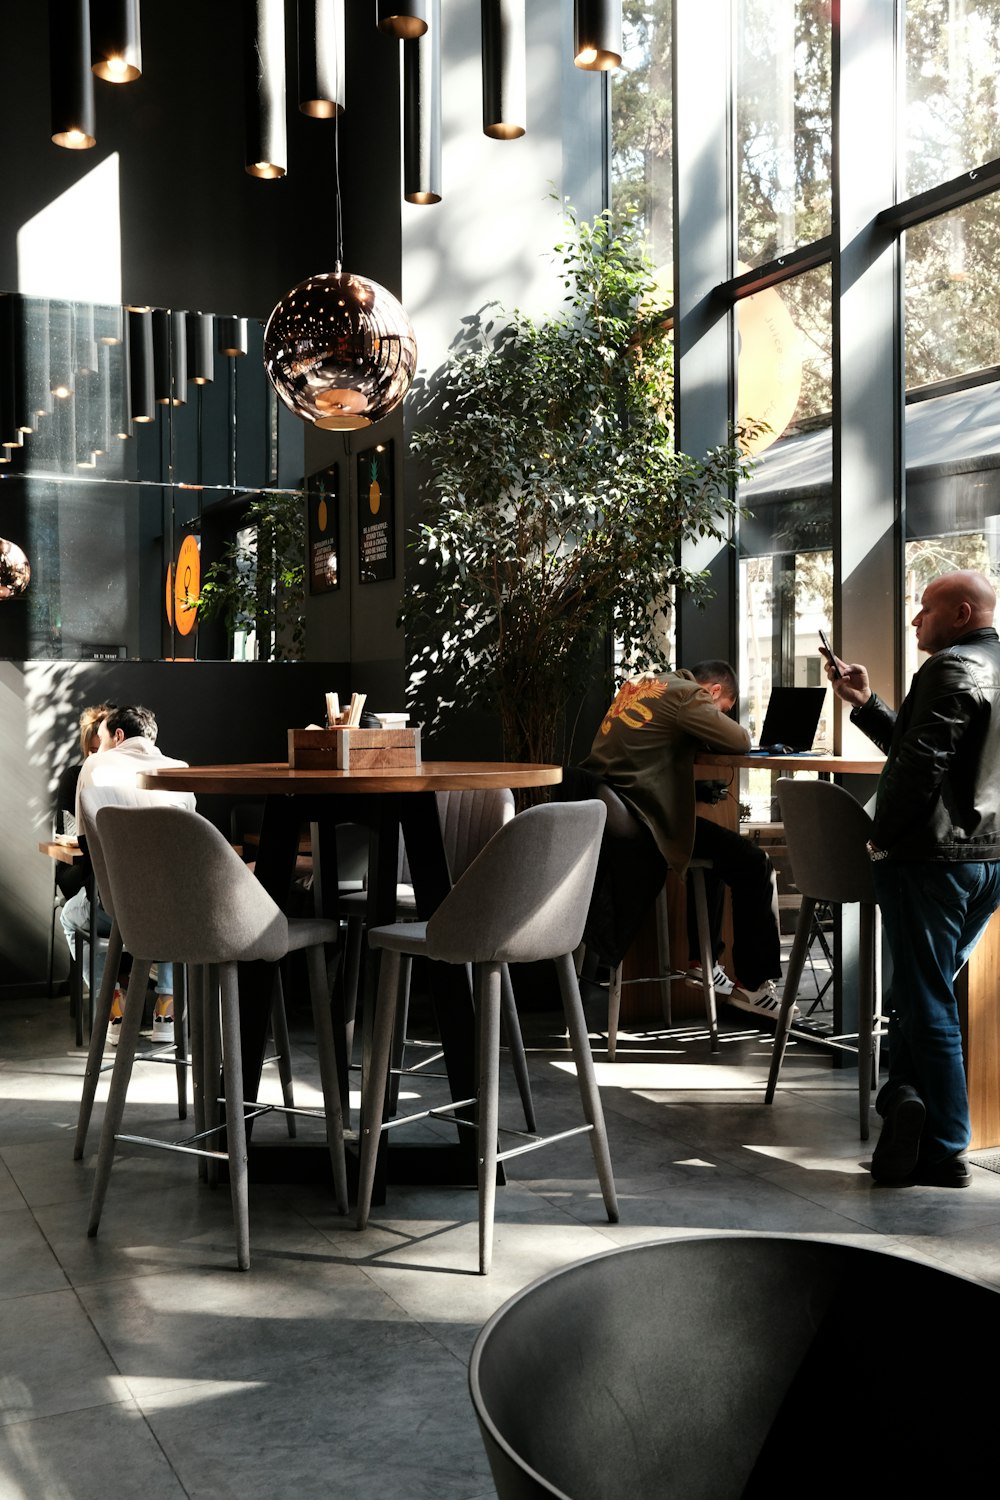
(850, 681)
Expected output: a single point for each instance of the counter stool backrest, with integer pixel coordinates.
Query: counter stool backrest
(93, 798)
(180, 888)
(469, 820)
(526, 895)
(826, 831)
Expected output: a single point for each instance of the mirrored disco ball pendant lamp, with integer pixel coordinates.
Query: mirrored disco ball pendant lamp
(15, 570)
(339, 350)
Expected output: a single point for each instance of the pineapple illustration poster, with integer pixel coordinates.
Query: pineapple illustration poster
(324, 544)
(376, 515)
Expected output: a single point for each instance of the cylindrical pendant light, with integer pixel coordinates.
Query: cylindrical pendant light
(142, 403)
(37, 359)
(422, 113)
(597, 34)
(505, 110)
(61, 364)
(321, 57)
(18, 416)
(73, 113)
(406, 19)
(115, 40)
(87, 405)
(169, 358)
(264, 53)
(233, 337)
(200, 331)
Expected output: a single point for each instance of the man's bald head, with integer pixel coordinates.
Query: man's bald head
(951, 606)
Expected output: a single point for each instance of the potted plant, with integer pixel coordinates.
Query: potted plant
(556, 503)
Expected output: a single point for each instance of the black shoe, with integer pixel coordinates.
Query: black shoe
(953, 1172)
(897, 1150)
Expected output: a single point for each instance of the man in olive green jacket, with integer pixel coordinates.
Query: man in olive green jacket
(645, 748)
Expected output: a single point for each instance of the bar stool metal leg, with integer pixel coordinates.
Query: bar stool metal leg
(130, 1028)
(487, 998)
(98, 1035)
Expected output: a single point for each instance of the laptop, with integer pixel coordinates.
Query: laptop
(791, 721)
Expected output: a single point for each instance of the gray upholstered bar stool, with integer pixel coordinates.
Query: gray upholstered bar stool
(523, 899)
(92, 799)
(827, 831)
(468, 820)
(179, 888)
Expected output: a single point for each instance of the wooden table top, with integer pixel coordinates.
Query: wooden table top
(826, 761)
(432, 776)
(66, 854)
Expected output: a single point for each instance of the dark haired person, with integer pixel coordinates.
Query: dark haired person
(126, 746)
(936, 850)
(645, 748)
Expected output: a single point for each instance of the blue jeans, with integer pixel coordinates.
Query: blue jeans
(75, 917)
(934, 914)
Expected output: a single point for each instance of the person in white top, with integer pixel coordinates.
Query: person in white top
(127, 745)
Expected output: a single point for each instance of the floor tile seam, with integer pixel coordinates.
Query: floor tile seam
(69, 1411)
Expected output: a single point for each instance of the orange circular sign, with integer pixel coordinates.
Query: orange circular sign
(184, 587)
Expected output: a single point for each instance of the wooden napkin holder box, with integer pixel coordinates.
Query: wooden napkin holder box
(344, 749)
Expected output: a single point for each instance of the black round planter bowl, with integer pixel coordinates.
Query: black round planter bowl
(738, 1365)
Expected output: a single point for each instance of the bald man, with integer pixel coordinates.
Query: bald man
(936, 851)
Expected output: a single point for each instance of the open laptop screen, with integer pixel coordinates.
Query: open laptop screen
(792, 717)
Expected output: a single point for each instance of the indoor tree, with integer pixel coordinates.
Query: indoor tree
(556, 503)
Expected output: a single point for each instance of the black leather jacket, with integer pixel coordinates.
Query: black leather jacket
(939, 793)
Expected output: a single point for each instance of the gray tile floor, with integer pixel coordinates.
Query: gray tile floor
(141, 1363)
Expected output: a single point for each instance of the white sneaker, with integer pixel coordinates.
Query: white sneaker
(723, 984)
(763, 1001)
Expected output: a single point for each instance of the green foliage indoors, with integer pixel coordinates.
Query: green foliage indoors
(259, 582)
(556, 502)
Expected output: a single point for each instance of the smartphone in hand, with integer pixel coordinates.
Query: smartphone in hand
(827, 650)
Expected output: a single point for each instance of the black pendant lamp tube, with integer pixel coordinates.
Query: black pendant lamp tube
(422, 113)
(504, 86)
(264, 55)
(10, 436)
(406, 19)
(61, 363)
(14, 373)
(115, 40)
(321, 58)
(233, 337)
(142, 403)
(73, 113)
(597, 34)
(200, 337)
(169, 358)
(37, 361)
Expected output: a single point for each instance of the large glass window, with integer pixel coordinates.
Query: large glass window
(641, 101)
(951, 119)
(783, 126)
(952, 309)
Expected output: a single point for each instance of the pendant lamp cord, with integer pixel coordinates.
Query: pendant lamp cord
(339, 246)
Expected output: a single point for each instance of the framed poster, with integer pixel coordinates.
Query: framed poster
(323, 531)
(376, 515)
